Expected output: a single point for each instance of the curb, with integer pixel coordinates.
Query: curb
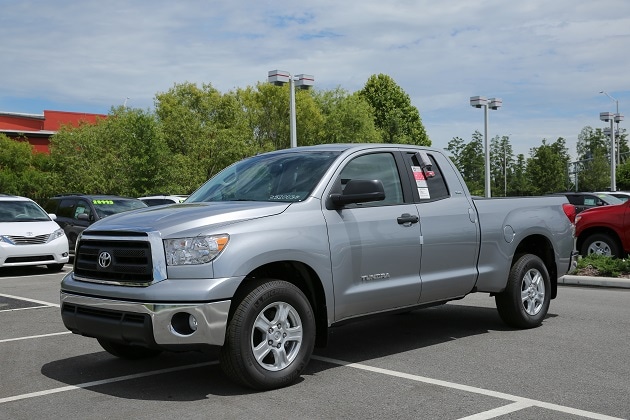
(594, 281)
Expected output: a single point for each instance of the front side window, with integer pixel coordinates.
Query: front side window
(381, 166)
(286, 177)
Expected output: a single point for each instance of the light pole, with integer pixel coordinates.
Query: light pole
(613, 118)
(303, 81)
(616, 112)
(492, 103)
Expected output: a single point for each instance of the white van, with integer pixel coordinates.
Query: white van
(29, 235)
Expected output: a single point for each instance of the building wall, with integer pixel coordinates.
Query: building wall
(38, 128)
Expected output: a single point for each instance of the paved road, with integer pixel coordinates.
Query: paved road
(457, 361)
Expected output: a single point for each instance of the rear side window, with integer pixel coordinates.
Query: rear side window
(430, 184)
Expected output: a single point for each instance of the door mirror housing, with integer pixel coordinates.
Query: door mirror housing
(359, 191)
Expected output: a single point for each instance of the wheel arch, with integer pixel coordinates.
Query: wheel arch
(542, 247)
(303, 277)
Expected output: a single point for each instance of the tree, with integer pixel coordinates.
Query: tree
(124, 154)
(23, 171)
(468, 159)
(593, 148)
(394, 116)
(520, 185)
(347, 118)
(501, 162)
(547, 167)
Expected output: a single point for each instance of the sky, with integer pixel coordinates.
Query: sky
(547, 60)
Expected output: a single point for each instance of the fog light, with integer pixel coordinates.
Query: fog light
(183, 323)
(192, 323)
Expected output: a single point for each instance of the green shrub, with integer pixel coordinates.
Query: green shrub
(605, 266)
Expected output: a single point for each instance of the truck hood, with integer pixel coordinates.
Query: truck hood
(189, 219)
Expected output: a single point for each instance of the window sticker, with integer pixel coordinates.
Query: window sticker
(102, 201)
(418, 174)
(421, 182)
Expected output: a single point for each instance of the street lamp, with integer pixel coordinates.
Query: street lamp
(613, 118)
(492, 103)
(302, 81)
(617, 112)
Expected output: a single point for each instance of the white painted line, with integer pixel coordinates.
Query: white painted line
(6, 340)
(24, 309)
(500, 411)
(36, 275)
(41, 302)
(102, 382)
(471, 389)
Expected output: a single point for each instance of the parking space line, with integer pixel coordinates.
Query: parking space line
(103, 382)
(525, 402)
(6, 340)
(499, 411)
(41, 302)
(24, 309)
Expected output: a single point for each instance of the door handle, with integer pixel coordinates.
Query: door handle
(407, 219)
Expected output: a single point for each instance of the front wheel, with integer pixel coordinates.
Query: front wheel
(270, 336)
(600, 244)
(525, 300)
(55, 267)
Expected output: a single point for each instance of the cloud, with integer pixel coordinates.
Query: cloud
(546, 60)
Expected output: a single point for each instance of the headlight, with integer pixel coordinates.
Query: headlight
(197, 250)
(6, 239)
(56, 234)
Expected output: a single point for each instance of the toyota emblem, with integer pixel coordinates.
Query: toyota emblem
(104, 259)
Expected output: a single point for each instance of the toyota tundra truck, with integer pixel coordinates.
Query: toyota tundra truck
(272, 252)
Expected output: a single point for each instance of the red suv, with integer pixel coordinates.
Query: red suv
(604, 230)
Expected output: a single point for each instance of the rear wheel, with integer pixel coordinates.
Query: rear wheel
(525, 301)
(270, 336)
(126, 351)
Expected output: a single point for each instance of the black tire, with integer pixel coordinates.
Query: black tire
(600, 244)
(525, 301)
(55, 267)
(283, 348)
(126, 351)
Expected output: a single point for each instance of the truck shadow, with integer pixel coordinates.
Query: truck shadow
(193, 376)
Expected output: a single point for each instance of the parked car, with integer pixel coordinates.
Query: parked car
(587, 200)
(604, 230)
(158, 200)
(277, 248)
(29, 236)
(75, 212)
(622, 195)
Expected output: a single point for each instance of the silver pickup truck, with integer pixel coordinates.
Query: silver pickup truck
(276, 249)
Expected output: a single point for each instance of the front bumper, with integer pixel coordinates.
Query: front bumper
(146, 324)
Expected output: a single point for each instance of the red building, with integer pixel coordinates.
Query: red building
(38, 128)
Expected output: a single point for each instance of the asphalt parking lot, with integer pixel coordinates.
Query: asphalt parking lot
(457, 361)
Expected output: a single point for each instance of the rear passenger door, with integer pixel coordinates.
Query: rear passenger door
(449, 229)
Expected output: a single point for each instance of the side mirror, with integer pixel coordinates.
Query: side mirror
(83, 216)
(359, 191)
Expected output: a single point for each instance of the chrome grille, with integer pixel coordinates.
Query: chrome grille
(29, 240)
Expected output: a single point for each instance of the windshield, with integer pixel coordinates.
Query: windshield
(22, 211)
(287, 177)
(610, 199)
(107, 207)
